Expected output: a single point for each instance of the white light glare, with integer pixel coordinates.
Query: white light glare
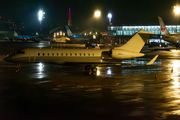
(109, 15)
(97, 13)
(40, 67)
(109, 72)
(176, 9)
(40, 14)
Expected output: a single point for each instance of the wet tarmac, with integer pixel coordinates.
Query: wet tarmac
(53, 92)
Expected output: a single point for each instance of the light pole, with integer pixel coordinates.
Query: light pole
(109, 16)
(40, 17)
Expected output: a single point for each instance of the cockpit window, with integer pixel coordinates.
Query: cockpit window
(20, 52)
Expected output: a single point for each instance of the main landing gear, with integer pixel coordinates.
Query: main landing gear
(18, 68)
(90, 69)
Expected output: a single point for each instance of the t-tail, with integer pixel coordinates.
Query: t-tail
(163, 28)
(133, 47)
(136, 43)
(15, 34)
(69, 33)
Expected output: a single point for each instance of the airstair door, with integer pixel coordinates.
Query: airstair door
(31, 56)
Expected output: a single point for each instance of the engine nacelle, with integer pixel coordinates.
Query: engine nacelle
(122, 54)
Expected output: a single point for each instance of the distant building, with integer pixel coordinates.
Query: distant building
(8, 27)
(57, 32)
(132, 29)
(124, 32)
(17, 26)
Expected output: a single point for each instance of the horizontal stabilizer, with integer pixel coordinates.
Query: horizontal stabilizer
(152, 61)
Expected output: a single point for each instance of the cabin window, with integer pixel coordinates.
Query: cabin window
(79, 54)
(57, 54)
(93, 54)
(70, 54)
(43, 54)
(38, 54)
(84, 54)
(48, 54)
(75, 54)
(61, 54)
(52, 54)
(89, 54)
(66, 54)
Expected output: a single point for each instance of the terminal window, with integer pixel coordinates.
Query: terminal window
(75, 54)
(89, 54)
(61, 54)
(43, 54)
(84, 54)
(52, 54)
(79, 54)
(70, 54)
(66, 54)
(38, 54)
(48, 54)
(57, 54)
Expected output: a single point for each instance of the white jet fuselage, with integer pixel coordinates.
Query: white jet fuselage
(61, 56)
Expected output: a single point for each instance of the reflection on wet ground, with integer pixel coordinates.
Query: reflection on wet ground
(48, 91)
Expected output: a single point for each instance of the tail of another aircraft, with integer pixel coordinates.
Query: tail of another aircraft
(163, 28)
(136, 43)
(69, 33)
(15, 34)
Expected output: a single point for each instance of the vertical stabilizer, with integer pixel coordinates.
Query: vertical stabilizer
(136, 43)
(163, 28)
(69, 33)
(15, 34)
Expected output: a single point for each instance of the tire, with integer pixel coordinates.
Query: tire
(94, 69)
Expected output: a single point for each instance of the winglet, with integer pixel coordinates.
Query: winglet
(15, 34)
(152, 61)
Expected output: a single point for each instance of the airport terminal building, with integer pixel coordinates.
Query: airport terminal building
(130, 30)
(124, 32)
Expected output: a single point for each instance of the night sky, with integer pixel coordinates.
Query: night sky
(125, 12)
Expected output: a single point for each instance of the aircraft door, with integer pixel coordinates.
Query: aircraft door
(31, 56)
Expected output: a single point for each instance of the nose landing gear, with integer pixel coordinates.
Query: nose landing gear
(90, 69)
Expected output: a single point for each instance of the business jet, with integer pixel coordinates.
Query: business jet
(90, 57)
(172, 38)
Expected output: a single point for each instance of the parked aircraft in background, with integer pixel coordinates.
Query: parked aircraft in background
(25, 38)
(77, 36)
(172, 38)
(90, 57)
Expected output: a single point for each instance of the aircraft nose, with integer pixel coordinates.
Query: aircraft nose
(8, 58)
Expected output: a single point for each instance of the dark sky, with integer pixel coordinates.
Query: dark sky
(125, 12)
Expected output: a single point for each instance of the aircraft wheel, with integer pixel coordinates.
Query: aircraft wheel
(94, 69)
(90, 72)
